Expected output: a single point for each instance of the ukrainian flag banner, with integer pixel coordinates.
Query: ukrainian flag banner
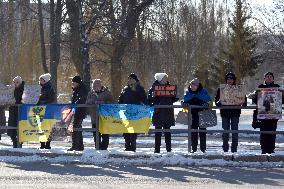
(124, 118)
(36, 121)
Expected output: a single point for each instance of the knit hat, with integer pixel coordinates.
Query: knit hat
(160, 76)
(133, 76)
(77, 79)
(46, 77)
(269, 73)
(195, 82)
(18, 79)
(230, 75)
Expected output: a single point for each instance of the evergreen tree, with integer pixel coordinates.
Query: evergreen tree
(242, 54)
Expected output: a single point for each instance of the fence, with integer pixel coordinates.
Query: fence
(188, 130)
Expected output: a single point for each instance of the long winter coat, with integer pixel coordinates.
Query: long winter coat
(79, 96)
(163, 117)
(228, 112)
(47, 95)
(13, 110)
(133, 95)
(254, 100)
(103, 96)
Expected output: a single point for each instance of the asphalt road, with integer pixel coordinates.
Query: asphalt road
(46, 175)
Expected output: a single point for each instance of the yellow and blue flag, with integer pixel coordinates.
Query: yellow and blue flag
(36, 121)
(124, 118)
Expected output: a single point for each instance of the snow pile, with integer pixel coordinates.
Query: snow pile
(114, 156)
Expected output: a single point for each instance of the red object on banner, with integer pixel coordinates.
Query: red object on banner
(165, 90)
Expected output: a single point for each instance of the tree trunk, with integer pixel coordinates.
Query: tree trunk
(55, 39)
(126, 34)
(79, 41)
(42, 42)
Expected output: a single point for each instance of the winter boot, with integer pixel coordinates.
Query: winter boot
(47, 145)
(42, 145)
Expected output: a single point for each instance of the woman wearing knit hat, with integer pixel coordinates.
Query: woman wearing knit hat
(13, 110)
(163, 118)
(230, 117)
(79, 96)
(47, 96)
(197, 95)
(133, 93)
(267, 141)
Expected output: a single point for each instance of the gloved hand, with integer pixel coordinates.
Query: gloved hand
(218, 103)
(251, 95)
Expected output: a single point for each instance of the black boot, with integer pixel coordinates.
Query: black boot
(47, 145)
(42, 145)
(15, 142)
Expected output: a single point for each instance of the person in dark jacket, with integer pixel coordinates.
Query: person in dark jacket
(163, 118)
(99, 95)
(267, 141)
(197, 95)
(47, 96)
(133, 93)
(79, 96)
(230, 117)
(13, 110)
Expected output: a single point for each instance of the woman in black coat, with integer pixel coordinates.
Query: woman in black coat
(163, 118)
(133, 93)
(47, 96)
(267, 141)
(79, 96)
(13, 110)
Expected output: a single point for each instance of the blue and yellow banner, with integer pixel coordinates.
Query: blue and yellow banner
(37, 121)
(124, 118)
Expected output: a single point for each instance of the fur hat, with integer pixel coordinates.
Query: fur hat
(97, 81)
(77, 79)
(46, 77)
(133, 76)
(230, 75)
(269, 73)
(160, 76)
(195, 82)
(18, 79)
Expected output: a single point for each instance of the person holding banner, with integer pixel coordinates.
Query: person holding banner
(47, 96)
(79, 96)
(13, 110)
(267, 141)
(133, 93)
(99, 95)
(197, 95)
(163, 118)
(230, 117)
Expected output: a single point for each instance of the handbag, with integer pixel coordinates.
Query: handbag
(184, 118)
(207, 118)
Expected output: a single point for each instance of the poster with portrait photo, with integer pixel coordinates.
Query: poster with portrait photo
(269, 103)
(232, 94)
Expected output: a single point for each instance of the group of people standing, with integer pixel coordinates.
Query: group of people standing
(163, 118)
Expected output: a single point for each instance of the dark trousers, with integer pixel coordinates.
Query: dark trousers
(230, 123)
(267, 141)
(103, 138)
(77, 136)
(158, 136)
(194, 138)
(130, 141)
